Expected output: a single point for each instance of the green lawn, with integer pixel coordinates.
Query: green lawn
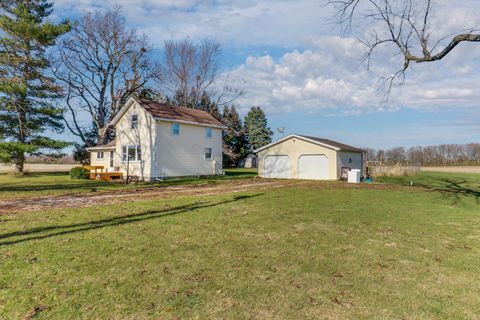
(56, 184)
(312, 251)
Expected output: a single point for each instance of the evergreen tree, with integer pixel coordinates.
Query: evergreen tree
(256, 128)
(26, 91)
(234, 139)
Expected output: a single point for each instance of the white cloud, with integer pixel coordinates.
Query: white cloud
(320, 69)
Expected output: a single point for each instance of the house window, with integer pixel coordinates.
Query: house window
(208, 132)
(100, 155)
(175, 129)
(131, 153)
(208, 153)
(349, 160)
(111, 159)
(134, 122)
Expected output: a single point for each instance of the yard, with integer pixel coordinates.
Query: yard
(404, 248)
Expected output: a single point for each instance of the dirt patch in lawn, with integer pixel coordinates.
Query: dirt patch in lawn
(128, 195)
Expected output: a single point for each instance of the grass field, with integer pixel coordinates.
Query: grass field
(305, 251)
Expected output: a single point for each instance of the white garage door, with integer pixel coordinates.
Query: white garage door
(277, 167)
(313, 166)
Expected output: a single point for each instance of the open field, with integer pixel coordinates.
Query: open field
(38, 167)
(295, 250)
(453, 169)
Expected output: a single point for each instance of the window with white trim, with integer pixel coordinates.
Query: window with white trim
(131, 153)
(175, 129)
(208, 153)
(134, 121)
(100, 155)
(208, 132)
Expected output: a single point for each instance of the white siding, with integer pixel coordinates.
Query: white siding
(144, 135)
(183, 154)
(100, 162)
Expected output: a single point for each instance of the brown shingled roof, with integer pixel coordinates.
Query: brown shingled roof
(341, 146)
(172, 112)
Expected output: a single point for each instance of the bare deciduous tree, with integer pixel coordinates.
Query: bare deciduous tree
(405, 24)
(101, 64)
(192, 73)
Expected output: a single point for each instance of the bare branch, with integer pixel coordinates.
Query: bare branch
(401, 24)
(100, 64)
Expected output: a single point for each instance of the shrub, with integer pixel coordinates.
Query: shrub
(79, 173)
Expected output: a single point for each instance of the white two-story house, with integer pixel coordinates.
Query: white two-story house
(158, 140)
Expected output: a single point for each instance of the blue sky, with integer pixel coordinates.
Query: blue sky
(306, 74)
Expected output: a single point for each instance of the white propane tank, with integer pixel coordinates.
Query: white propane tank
(354, 176)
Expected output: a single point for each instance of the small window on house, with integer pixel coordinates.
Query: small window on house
(175, 129)
(111, 158)
(124, 153)
(208, 153)
(100, 155)
(131, 153)
(134, 121)
(208, 132)
(139, 153)
(349, 160)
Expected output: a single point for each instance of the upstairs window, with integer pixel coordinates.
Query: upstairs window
(131, 153)
(208, 132)
(208, 153)
(134, 121)
(175, 129)
(100, 155)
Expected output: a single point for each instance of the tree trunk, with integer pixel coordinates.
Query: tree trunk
(19, 162)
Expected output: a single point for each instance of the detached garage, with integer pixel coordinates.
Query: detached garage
(304, 157)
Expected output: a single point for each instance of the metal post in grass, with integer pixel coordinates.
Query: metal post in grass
(128, 165)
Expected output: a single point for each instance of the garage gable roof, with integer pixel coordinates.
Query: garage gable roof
(337, 146)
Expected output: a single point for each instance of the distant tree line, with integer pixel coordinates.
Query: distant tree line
(438, 155)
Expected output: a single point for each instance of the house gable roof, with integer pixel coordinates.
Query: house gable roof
(168, 112)
(337, 146)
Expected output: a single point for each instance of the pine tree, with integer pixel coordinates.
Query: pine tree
(234, 139)
(256, 128)
(26, 91)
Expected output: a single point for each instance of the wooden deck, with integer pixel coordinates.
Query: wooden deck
(96, 172)
(106, 176)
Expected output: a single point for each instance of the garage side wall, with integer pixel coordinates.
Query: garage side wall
(294, 148)
(344, 158)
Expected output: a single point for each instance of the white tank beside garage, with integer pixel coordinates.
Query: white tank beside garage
(306, 157)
